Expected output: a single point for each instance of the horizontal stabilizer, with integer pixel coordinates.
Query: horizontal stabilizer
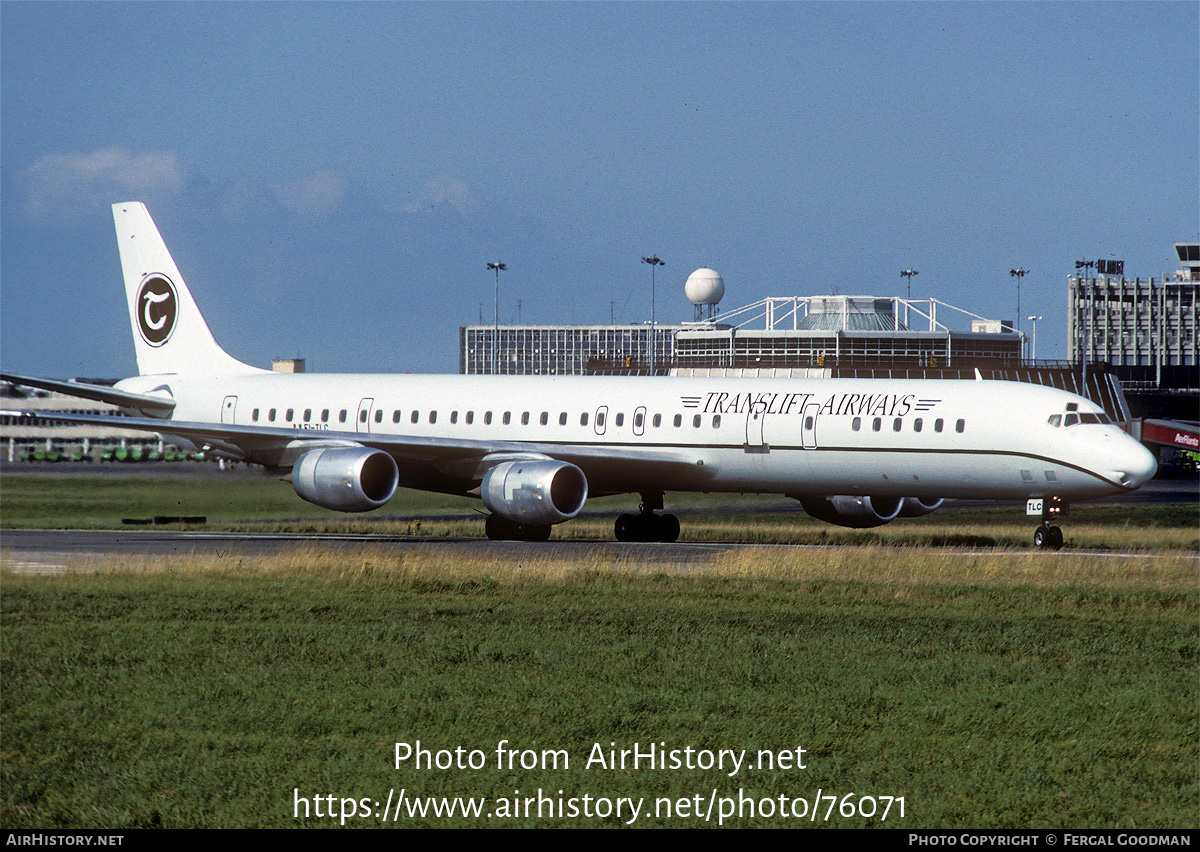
(154, 406)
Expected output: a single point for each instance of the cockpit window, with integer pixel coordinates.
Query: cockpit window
(1075, 418)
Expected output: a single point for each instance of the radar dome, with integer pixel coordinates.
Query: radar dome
(704, 287)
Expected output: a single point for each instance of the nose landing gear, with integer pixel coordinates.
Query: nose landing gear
(1047, 536)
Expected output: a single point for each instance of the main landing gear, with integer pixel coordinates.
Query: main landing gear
(646, 525)
(1047, 536)
(502, 529)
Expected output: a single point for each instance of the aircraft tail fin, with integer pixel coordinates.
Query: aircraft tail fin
(170, 335)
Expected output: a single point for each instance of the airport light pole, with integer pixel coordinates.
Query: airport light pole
(654, 261)
(1034, 320)
(908, 273)
(498, 266)
(1084, 265)
(1018, 273)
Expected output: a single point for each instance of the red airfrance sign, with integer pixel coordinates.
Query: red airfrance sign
(1171, 434)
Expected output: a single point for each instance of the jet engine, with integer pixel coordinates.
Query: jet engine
(348, 479)
(857, 512)
(535, 492)
(914, 507)
(864, 512)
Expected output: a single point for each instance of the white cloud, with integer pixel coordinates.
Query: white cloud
(66, 184)
(443, 190)
(319, 193)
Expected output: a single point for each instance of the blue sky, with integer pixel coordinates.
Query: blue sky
(333, 178)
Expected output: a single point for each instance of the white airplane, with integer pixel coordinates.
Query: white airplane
(855, 452)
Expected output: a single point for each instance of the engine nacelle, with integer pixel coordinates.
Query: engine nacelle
(348, 479)
(536, 492)
(864, 512)
(856, 512)
(914, 507)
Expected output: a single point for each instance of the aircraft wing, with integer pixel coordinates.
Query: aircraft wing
(154, 405)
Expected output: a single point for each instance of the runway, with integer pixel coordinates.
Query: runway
(48, 550)
(55, 546)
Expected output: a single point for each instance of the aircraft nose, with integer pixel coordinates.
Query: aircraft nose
(1135, 465)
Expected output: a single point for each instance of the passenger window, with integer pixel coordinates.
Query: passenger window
(960, 426)
(487, 418)
(433, 417)
(678, 420)
(453, 416)
(696, 422)
(657, 420)
(620, 419)
(545, 418)
(897, 425)
(396, 416)
(342, 416)
(856, 424)
(362, 416)
(507, 418)
(917, 424)
(307, 414)
(562, 419)
(415, 417)
(599, 419)
(288, 416)
(254, 415)
(876, 424)
(271, 415)
(808, 422)
(583, 419)
(379, 415)
(937, 425)
(525, 419)
(470, 417)
(325, 415)
(716, 421)
(639, 420)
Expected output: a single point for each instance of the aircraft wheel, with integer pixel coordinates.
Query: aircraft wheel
(497, 528)
(668, 529)
(626, 527)
(1048, 538)
(533, 532)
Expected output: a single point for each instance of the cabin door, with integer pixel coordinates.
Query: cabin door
(363, 422)
(756, 419)
(808, 427)
(601, 416)
(228, 409)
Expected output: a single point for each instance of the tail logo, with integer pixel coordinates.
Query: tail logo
(157, 307)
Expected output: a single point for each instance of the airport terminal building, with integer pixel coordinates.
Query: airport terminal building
(1145, 329)
(814, 335)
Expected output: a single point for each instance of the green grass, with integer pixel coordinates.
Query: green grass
(1023, 691)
